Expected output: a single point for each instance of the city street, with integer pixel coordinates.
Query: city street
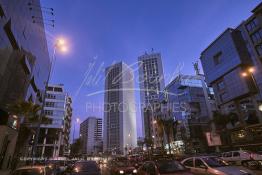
(144, 87)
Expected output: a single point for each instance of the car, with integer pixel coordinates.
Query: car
(116, 166)
(242, 157)
(86, 168)
(33, 170)
(213, 165)
(162, 167)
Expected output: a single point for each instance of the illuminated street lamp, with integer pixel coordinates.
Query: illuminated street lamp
(244, 74)
(260, 107)
(249, 72)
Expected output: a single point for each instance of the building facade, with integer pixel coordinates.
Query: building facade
(53, 139)
(232, 66)
(24, 62)
(119, 134)
(24, 55)
(91, 136)
(191, 103)
(151, 83)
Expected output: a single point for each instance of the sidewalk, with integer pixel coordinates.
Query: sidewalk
(5, 172)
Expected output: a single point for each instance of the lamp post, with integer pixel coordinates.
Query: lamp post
(60, 45)
(249, 73)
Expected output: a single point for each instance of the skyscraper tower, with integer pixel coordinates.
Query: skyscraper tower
(119, 109)
(151, 83)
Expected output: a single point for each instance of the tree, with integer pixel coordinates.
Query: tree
(160, 126)
(76, 148)
(29, 115)
(221, 121)
(149, 143)
(168, 126)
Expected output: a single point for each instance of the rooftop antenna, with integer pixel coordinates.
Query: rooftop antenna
(196, 67)
(152, 49)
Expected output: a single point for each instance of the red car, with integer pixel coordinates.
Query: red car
(163, 167)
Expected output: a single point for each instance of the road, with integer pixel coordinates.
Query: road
(106, 172)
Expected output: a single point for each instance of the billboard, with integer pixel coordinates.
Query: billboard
(213, 139)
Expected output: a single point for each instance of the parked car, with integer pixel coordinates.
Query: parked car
(121, 167)
(246, 158)
(213, 165)
(162, 167)
(33, 170)
(86, 168)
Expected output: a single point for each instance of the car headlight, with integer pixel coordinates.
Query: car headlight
(121, 172)
(76, 170)
(134, 171)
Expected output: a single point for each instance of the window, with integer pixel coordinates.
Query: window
(236, 154)
(259, 49)
(220, 85)
(57, 89)
(199, 164)
(189, 163)
(217, 58)
(252, 25)
(48, 112)
(257, 36)
(228, 154)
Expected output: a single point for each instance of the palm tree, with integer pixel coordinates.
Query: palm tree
(168, 126)
(148, 141)
(160, 126)
(29, 115)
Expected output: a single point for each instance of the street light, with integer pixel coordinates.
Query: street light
(260, 107)
(249, 72)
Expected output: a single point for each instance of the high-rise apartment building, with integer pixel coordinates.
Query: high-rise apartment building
(91, 136)
(151, 83)
(119, 109)
(54, 138)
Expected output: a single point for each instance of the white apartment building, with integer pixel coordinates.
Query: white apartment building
(54, 138)
(91, 136)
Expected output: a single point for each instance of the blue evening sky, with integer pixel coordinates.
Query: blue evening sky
(101, 32)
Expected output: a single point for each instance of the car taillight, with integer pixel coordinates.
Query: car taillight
(252, 155)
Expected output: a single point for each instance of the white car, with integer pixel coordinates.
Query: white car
(207, 165)
(241, 157)
(33, 170)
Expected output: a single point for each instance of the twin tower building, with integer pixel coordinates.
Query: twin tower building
(120, 107)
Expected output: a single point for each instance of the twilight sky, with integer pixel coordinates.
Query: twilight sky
(101, 32)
